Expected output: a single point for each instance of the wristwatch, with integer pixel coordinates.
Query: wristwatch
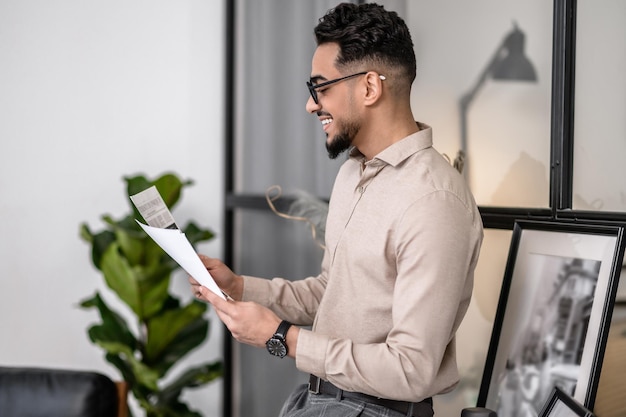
(277, 345)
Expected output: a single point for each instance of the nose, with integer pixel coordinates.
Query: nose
(312, 106)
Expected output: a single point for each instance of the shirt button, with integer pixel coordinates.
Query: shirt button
(361, 190)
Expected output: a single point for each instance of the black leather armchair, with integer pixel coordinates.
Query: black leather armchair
(478, 412)
(40, 392)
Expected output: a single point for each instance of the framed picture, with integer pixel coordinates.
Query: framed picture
(562, 405)
(553, 315)
(620, 298)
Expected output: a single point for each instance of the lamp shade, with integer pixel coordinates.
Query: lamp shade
(512, 64)
(508, 63)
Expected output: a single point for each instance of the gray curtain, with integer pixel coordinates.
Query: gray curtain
(277, 143)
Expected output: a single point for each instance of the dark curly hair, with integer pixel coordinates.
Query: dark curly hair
(367, 33)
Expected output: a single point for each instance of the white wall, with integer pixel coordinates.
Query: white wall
(90, 92)
(600, 125)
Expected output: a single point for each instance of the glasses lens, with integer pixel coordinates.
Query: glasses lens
(312, 91)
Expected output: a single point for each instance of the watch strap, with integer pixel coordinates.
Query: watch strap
(283, 327)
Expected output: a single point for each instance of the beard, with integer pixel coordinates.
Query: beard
(342, 141)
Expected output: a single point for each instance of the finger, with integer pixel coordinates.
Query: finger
(218, 302)
(205, 259)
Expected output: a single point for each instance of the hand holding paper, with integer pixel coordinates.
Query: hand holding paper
(163, 230)
(176, 245)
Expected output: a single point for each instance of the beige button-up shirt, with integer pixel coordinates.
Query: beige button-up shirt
(403, 236)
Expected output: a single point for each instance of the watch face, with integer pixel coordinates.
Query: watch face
(276, 347)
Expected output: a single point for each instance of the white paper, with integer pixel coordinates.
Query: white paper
(175, 244)
(153, 209)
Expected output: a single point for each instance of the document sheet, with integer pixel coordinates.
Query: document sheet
(162, 229)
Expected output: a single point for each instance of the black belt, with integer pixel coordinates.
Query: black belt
(423, 408)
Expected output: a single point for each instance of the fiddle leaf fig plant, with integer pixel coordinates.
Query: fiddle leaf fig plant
(138, 272)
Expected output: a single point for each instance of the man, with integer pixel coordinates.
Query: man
(402, 239)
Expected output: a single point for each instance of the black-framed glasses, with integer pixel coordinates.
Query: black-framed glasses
(313, 87)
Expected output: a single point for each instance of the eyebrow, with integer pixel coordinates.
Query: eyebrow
(315, 79)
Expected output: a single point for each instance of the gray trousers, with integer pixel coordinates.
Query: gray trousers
(303, 404)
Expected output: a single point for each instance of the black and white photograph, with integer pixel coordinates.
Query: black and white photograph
(552, 312)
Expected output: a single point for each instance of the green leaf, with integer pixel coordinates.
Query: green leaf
(100, 242)
(85, 233)
(113, 327)
(115, 338)
(170, 188)
(140, 391)
(164, 328)
(143, 289)
(188, 339)
(142, 374)
(121, 278)
(154, 292)
(132, 245)
(136, 184)
(168, 185)
(171, 409)
(112, 348)
(167, 398)
(129, 225)
(195, 234)
(126, 371)
(192, 378)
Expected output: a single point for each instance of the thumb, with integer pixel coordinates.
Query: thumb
(217, 301)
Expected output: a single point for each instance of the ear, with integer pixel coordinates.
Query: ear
(374, 87)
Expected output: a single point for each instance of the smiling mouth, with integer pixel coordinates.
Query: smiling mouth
(326, 122)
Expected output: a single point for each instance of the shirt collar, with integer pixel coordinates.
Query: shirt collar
(401, 150)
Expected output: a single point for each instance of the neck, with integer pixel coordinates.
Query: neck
(383, 129)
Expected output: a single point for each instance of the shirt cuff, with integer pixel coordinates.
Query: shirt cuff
(255, 289)
(311, 353)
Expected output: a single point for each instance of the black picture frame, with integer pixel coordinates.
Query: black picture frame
(562, 405)
(553, 314)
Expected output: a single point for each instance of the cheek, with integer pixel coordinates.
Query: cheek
(344, 109)
(348, 113)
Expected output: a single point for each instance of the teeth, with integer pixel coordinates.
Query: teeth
(327, 121)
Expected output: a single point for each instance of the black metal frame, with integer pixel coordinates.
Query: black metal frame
(561, 158)
(560, 397)
(559, 231)
(229, 187)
